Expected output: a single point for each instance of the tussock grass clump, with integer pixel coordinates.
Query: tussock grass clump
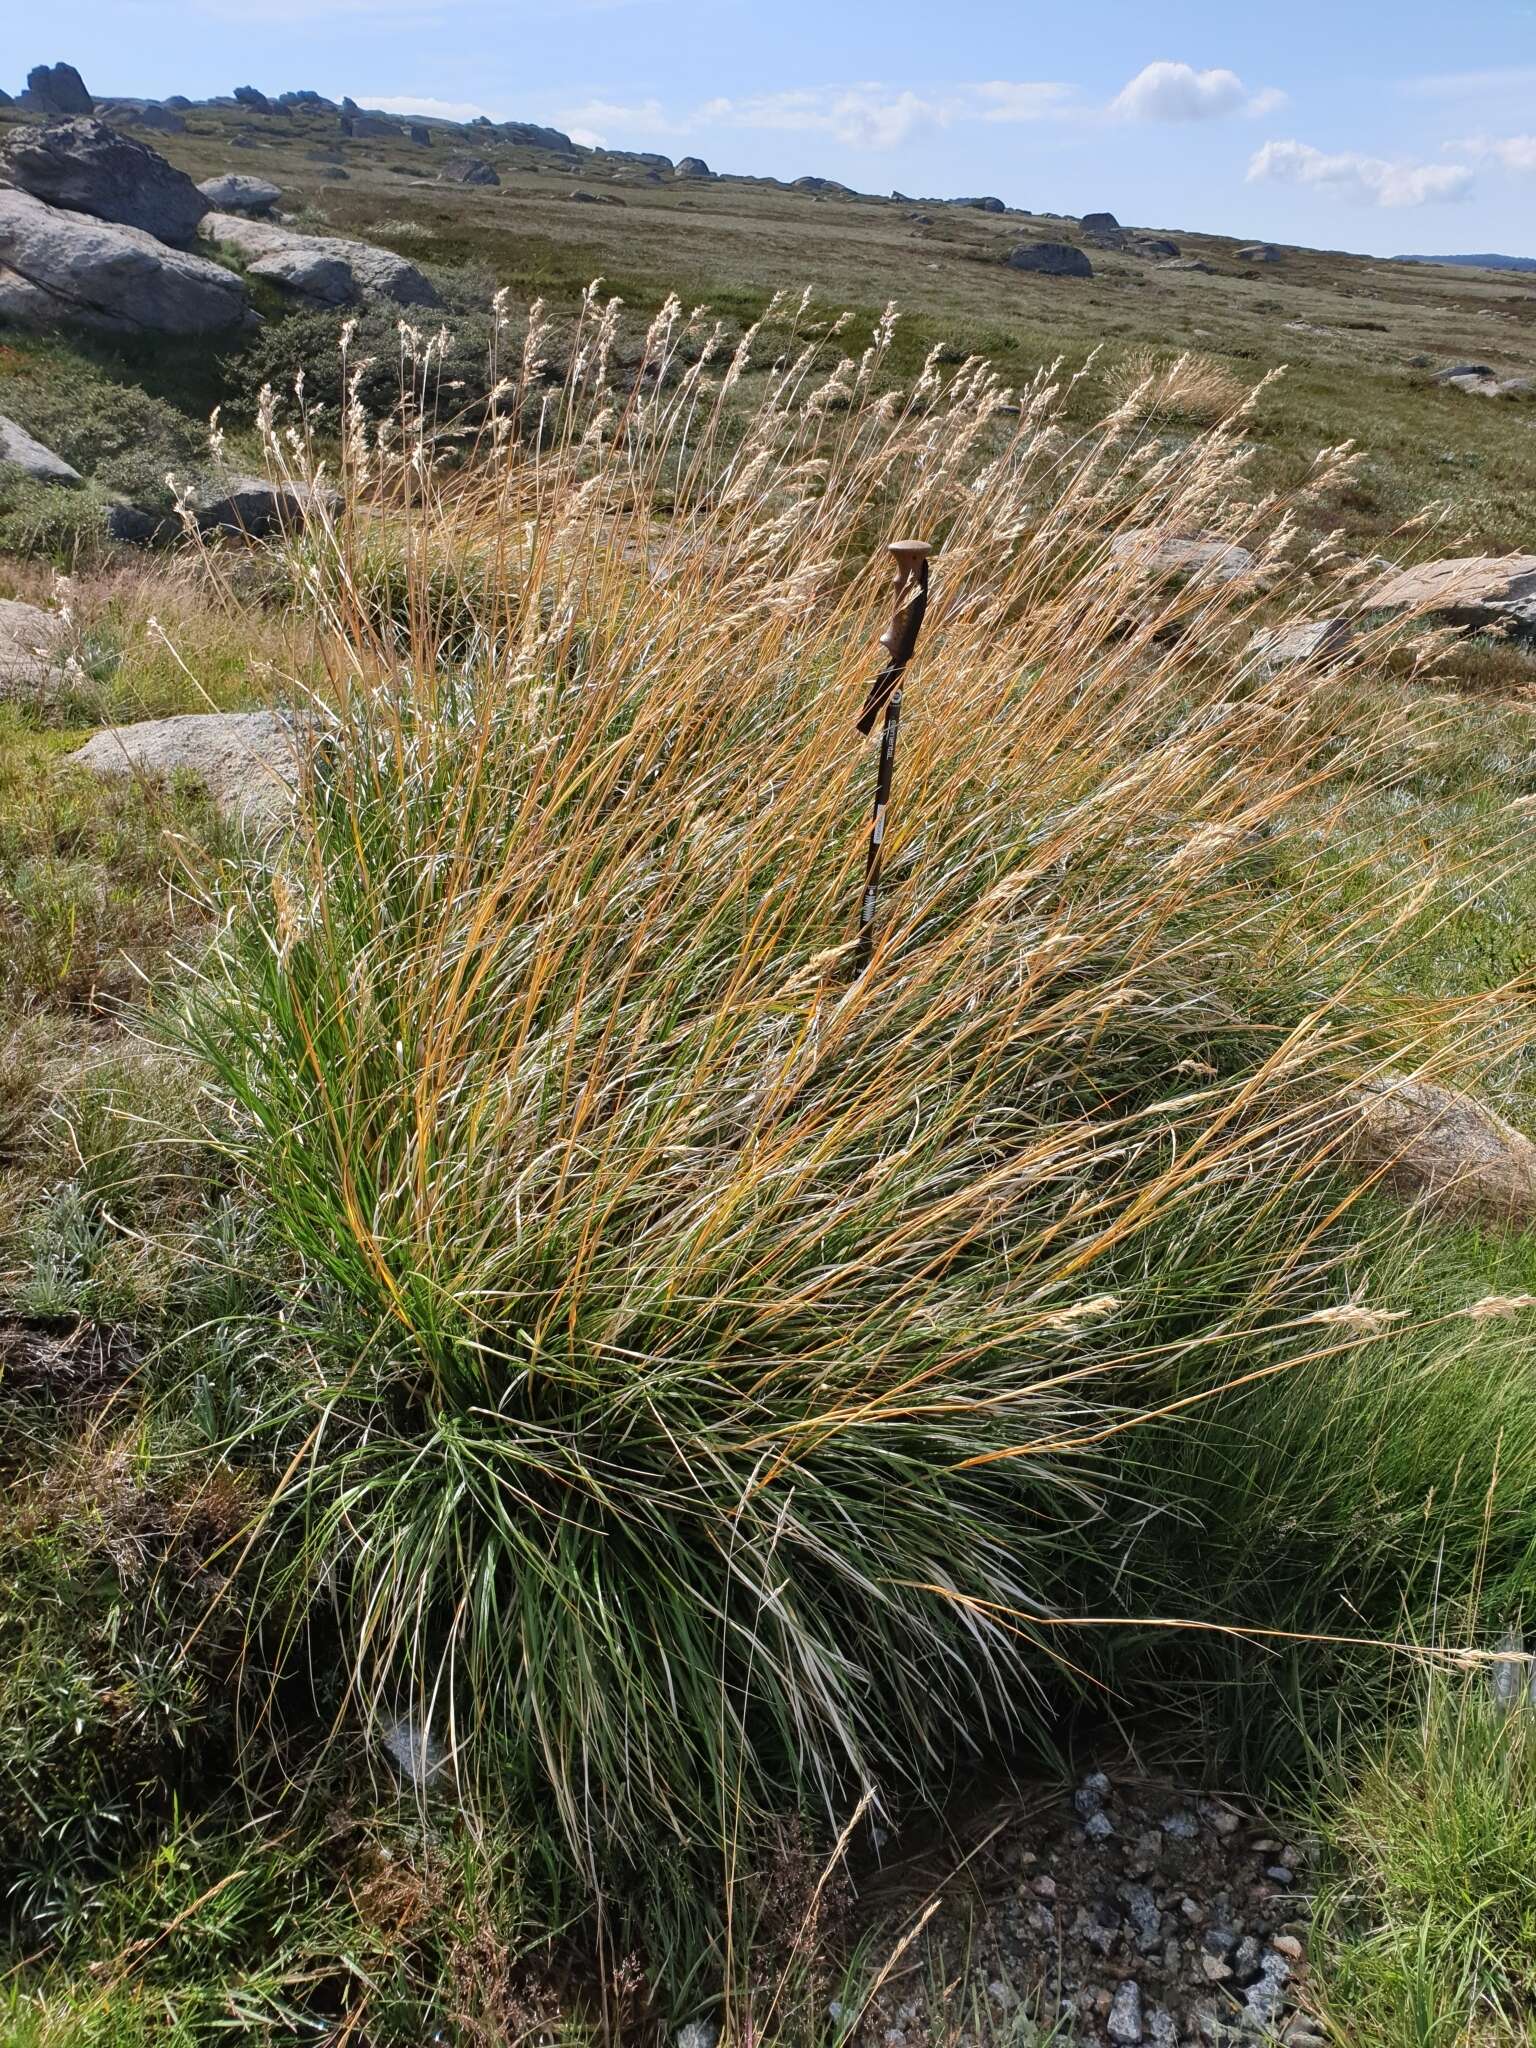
(714, 1361)
(1150, 384)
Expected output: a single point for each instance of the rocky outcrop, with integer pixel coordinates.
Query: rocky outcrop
(320, 270)
(370, 127)
(20, 451)
(819, 185)
(59, 268)
(234, 192)
(59, 89)
(988, 204)
(87, 167)
(150, 114)
(1258, 252)
(246, 760)
(1050, 259)
(1481, 592)
(1151, 248)
(30, 646)
(1100, 224)
(692, 167)
(1439, 1146)
(532, 136)
(249, 96)
(468, 170)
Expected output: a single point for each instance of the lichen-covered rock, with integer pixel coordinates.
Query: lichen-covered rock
(59, 268)
(246, 760)
(1313, 640)
(59, 89)
(89, 167)
(469, 170)
(1202, 557)
(30, 644)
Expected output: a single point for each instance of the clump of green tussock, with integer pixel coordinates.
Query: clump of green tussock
(1428, 1914)
(716, 1362)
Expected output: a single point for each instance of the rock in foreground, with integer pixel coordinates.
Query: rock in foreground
(246, 760)
(29, 646)
(1436, 1145)
(67, 269)
(1201, 557)
(91, 168)
(320, 270)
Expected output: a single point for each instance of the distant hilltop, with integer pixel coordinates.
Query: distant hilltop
(1476, 262)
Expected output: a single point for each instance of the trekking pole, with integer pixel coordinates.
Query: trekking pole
(899, 640)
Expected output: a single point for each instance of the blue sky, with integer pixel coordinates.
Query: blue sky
(1378, 125)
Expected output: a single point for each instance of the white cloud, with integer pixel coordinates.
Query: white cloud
(1514, 152)
(1166, 91)
(1362, 180)
(1470, 85)
(868, 116)
(441, 110)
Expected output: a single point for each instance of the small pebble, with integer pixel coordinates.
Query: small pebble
(1043, 1887)
(1182, 1826)
(1278, 1874)
(1099, 1827)
(1288, 1946)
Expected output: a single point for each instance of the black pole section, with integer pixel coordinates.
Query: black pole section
(899, 640)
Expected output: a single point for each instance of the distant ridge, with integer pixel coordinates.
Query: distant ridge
(1476, 262)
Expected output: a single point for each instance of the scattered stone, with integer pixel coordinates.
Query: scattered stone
(1050, 259)
(1481, 592)
(414, 1752)
(59, 268)
(1201, 557)
(1460, 370)
(1435, 1144)
(469, 170)
(234, 192)
(1150, 248)
(1181, 1825)
(1091, 1794)
(246, 761)
(20, 451)
(59, 89)
(1098, 1827)
(87, 167)
(1124, 2022)
(1314, 640)
(322, 270)
(1258, 252)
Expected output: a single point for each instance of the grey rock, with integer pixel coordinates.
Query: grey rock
(1189, 263)
(134, 527)
(692, 167)
(1098, 1827)
(987, 204)
(421, 136)
(320, 270)
(1201, 557)
(87, 167)
(1124, 2022)
(1100, 224)
(1444, 1148)
(1091, 1794)
(1282, 647)
(1481, 592)
(246, 760)
(1463, 370)
(255, 506)
(59, 268)
(810, 184)
(414, 1752)
(20, 451)
(697, 2034)
(1051, 259)
(1258, 252)
(469, 170)
(248, 96)
(235, 192)
(59, 89)
(369, 127)
(1151, 248)
(335, 174)
(1180, 1825)
(1144, 1915)
(150, 114)
(30, 640)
